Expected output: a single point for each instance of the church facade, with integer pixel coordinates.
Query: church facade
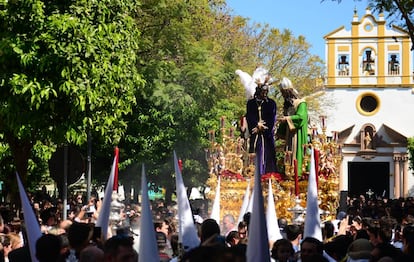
(369, 94)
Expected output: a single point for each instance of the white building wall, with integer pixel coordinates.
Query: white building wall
(396, 109)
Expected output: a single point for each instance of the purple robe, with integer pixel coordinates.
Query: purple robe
(268, 115)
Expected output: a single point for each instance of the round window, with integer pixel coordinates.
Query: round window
(368, 27)
(368, 104)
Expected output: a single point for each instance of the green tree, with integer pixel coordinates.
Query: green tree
(66, 68)
(188, 72)
(189, 53)
(411, 151)
(73, 67)
(182, 79)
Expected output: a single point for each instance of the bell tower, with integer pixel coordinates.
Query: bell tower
(370, 54)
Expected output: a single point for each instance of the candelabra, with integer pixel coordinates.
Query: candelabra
(298, 212)
(115, 216)
(329, 160)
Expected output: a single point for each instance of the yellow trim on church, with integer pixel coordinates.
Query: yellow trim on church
(376, 56)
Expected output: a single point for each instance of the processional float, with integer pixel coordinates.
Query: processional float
(229, 160)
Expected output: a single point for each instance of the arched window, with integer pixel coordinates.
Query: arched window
(343, 65)
(393, 64)
(368, 62)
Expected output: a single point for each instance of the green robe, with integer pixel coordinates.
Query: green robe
(295, 131)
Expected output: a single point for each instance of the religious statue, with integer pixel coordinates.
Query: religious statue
(327, 165)
(260, 117)
(293, 126)
(368, 141)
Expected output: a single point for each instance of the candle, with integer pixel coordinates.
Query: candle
(323, 121)
(212, 133)
(316, 155)
(231, 132)
(335, 136)
(115, 185)
(295, 165)
(314, 133)
(180, 165)
(222, 122)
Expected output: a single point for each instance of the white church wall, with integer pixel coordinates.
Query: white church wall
(396, 107)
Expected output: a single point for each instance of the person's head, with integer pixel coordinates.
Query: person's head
(338, 246)
(64, 241)
(262, 90)
(5, 244)
(119, 248)
(293, 232)
(48, 216)
(91, 254)
(242, 230)
(209, 228)
(79, 199)
(228, 223)
(357, 222)
(162, 226)
(232, 238)
(310, 246)
(287, 90)
(379, 233)
(15, 240)
(282, 250)
(48, 248)
(328, 230)
(384, 250)
(408, 239)
(360, 249)
(282, 222)
(79, 235)
(93, 201)
(263, 81)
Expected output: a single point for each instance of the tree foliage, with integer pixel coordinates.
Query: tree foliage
(76, 66)
(66, 67)
(411, 151)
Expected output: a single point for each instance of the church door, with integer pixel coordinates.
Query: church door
(366, 177)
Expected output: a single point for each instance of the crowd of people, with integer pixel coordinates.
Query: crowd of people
(75, 238)
(372, 229)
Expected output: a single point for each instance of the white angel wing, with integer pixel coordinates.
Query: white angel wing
(260, 74)
(248, 83)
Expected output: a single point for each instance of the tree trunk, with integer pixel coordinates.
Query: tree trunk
(21, 151)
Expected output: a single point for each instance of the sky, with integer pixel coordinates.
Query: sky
(312, 19)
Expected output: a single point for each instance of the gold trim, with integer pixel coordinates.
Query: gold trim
(358, 104)
(393, 48)
(343, 48)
